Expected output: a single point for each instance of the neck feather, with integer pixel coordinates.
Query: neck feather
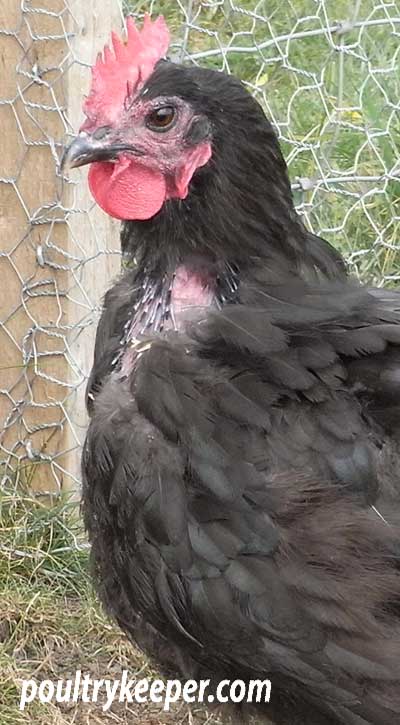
(239, 212)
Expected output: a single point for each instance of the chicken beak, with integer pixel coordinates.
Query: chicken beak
(84, 149)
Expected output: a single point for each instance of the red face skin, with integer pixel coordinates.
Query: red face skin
(136, 163)
(135, 187)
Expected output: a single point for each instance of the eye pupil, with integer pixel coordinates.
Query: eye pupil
(161, 118)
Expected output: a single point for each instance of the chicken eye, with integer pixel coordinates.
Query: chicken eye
(161, 119)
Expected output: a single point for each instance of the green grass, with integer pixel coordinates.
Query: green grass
(42, 541)
(335, 112)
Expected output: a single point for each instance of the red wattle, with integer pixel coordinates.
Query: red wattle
(126, 189)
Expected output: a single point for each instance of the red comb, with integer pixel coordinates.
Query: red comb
(126, 67)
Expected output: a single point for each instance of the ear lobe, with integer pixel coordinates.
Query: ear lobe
(196, 157)
(199, 131)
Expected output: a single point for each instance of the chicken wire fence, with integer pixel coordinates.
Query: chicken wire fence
(327, 74)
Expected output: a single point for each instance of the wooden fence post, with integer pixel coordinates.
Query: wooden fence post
(55, 246)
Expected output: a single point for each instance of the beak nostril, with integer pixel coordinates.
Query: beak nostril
(101, 132)
(85, 149)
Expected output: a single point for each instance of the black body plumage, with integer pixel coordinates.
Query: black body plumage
(241, 478)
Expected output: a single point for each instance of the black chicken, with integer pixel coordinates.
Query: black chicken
(241, 463)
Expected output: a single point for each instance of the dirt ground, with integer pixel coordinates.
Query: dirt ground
(51, 640)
